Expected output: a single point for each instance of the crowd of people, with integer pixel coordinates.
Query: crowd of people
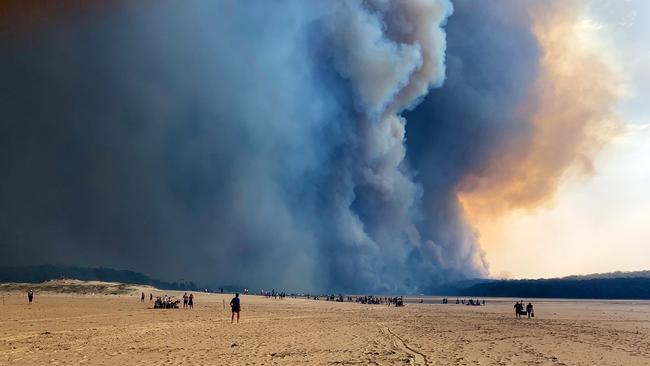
(372, 300)
(270, 294)
(367, 299)
(170, 302)
(470, 302)
(166, 302)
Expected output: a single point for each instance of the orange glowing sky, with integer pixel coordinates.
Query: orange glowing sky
(576, 199)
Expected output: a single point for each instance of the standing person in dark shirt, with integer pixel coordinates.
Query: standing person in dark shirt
(190, 301)
(30, 296)
(518, 308)
(529, 310)
(235, 305)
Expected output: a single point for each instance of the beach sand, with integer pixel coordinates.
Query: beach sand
(120, 330)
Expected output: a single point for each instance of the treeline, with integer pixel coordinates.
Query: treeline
(569, 288)
(36, 274)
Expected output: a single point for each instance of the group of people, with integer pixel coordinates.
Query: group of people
(166, 302)
(170, 302)
(397, 301)
(340, 298)
(471, 302)
(372, 300)
(271, 294)
(519, 310)
(188, 301)
(142, 297)
(378, 300)
(368, 299)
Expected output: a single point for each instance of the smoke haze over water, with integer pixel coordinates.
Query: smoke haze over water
(263, 144)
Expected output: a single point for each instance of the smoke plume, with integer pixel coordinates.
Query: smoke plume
(571, 113)
(523, 103)
(266, 144)
(208, 139)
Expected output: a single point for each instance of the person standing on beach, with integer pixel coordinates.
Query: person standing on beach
(185, 298)
(235, 305)
(30, 296)
(517, 310)
(190, 301)
(529, 309)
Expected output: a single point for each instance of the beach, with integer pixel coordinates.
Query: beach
(103, 329)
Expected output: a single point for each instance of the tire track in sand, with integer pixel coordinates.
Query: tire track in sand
(415, 357)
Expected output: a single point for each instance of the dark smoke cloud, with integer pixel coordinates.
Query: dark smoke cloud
(260, 143)
(492, 61)
(168, 141)
(257, 144)
(524, 101)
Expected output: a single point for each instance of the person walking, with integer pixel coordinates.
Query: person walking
(518, 310)
(142, 297)
(235, 305)
(529, 310)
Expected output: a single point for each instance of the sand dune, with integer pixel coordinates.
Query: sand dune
(119, 329)
(69, 286)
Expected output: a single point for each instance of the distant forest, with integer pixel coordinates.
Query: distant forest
(575, 287)
(36, 274)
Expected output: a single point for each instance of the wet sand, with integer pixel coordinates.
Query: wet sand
(109, 329)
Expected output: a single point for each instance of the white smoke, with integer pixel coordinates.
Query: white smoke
(391, 52)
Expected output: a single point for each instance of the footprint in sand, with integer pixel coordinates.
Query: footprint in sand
(415, 357)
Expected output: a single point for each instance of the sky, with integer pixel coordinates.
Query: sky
(598, 223)
(387, 146)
